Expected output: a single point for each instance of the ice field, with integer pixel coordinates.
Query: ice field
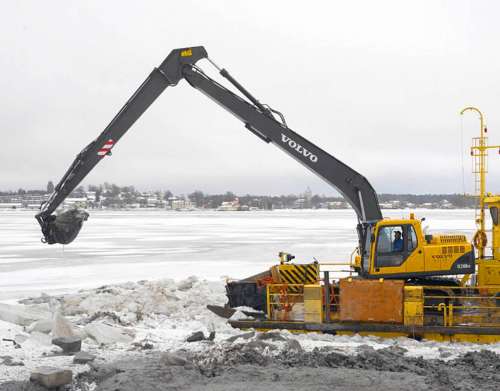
(167, 248)
(119, 246)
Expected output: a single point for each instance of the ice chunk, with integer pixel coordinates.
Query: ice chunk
(62, 327)
(187, 284)
(40, 338)
(105, 334)
(22, 315)
(42, 326)
(51, 377)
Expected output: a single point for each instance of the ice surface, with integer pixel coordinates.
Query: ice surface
(118, 246)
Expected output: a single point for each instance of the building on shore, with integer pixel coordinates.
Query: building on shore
(228, 206)
(179, 203)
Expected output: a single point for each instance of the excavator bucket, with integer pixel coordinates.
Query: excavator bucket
(64, 227)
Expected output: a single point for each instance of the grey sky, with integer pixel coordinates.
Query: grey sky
(377, 84)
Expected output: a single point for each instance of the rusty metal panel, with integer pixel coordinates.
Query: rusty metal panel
(371, 300)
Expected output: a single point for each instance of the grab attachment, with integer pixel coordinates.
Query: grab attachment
(62, 228)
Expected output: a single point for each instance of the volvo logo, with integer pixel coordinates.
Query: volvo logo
(299, 148)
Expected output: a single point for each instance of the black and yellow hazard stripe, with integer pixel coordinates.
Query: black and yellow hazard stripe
(299, 274)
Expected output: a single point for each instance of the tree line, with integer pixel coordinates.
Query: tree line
(108, 194)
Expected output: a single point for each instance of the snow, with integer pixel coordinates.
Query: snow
(133, 278)
(163, 313)
(239, 315)
(116, 320)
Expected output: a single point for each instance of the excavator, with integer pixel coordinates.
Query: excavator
(418, 255)
(393, 256)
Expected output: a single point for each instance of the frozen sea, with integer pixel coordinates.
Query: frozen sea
(118, 246)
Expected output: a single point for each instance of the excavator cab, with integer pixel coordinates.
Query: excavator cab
(398, 248)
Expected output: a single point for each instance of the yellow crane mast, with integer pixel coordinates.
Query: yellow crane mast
(488, 272)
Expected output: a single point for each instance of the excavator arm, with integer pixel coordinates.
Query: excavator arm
(268, 124)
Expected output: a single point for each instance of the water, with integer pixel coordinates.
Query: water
(117, 246)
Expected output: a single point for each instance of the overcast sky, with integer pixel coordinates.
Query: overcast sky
(378, 84)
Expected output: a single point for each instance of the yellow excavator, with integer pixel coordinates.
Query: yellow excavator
(407, 299)
(394, 250)
(413, 254)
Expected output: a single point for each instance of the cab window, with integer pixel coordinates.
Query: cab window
(390, 246)
(494, 215)
(412, 238)
(367, 253)
(394, 244)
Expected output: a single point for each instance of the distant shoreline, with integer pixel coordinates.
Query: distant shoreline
(226, 211)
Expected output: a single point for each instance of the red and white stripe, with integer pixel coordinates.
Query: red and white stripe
(106, 148)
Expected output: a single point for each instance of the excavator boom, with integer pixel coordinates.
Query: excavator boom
(266, 123)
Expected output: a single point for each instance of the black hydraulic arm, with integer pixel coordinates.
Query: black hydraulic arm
(258, 118)
(354, 187)
(167, 74)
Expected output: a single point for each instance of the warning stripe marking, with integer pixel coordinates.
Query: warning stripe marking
(313, 273)
(298, 277)
(106, 148)
(287, 277)
(299, 274)
(310, 271)
(290, 279)
(293, 277)
(301, 269)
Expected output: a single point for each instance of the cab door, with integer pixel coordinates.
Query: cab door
(415, 261)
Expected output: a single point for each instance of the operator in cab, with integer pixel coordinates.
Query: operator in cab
(397, 244)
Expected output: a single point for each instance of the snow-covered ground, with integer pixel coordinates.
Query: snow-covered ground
(119, 246)
(95, 283)
(134, 320)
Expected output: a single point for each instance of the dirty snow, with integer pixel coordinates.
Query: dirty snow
(123, 321)
(130, 319)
